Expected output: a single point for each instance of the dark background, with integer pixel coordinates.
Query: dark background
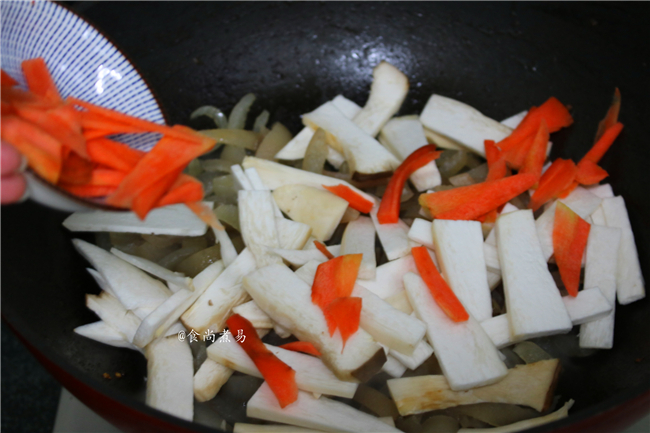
(498, 57)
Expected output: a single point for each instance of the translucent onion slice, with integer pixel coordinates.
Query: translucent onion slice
(216, 165)
(237, 119)
(495, 414)
(273, 142)
(228, 213)
(316, 153)
(233, 154)
(233, 137)
(194, 264)
(261, 121)
(440, 424)
(451, 162)
(530, 352)
(225, 188)
(213, 113)
(377, 402)
(175, 257)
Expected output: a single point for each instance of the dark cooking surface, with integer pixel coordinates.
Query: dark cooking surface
(499, 58)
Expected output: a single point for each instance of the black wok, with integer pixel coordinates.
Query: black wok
(500, 58)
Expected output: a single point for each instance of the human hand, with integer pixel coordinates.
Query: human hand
(13, 184)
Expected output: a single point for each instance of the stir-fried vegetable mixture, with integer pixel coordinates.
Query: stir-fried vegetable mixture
(478, 264)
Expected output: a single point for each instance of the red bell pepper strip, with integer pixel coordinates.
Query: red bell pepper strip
(438, 287)
(113, 154)
(301, 346)
(335, 278)
(589, 173)
(343, 314)
(7, 80)
(354, 199)
(185, 189)
(495, 160)
(323, 249)
(43, 152)
(107, 176)
(611, 117)
(39, 80)
(388, 212)
(559, 176)
(280, 377)
(534, 162)
(516, 156)
(167, 156)
(76, 170)
(470, 202)
(149, 197)
(570, 233)
(553, 111)
(88, 191)
(603, 144)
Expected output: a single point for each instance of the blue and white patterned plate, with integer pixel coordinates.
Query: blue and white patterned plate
(83, 63)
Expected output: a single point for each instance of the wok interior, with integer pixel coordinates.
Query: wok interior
(499, 58)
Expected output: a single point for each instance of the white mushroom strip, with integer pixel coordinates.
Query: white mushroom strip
(276, 175)
(400, 301)
(318, 208)
(298, 258)
(580, 201)
(600, 271)
(254, 314)
(167, 313)
(441, 141)
(380, 319)
(101, 281)
(169, 377)
(630, 286)
(459, 249)
(393, 366)
(311, 374)
(213, 307)
(287, 300)
(241, 179)
(292, 235)
(603, 190)
(466, 354)
(563, 412)
(527, 385)
(387, 92)
(533, 301)
(154, 269)
(132, 287)
(462, 123)
(258, 229)
(491, 238)
(311, 412)
(491, 258)
(359, 238)
(209, 379)
(104, 333)
(590, 305)
(403, 136)
(393, 237)
(420, 232)
(388, 280)
(296, 148)
(363, 153)
(176, 220)
(421, 353)
(270, 428)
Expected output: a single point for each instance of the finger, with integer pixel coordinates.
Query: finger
(10, 159)
(12, 188)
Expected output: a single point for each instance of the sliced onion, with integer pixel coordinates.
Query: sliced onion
(451, 162)
(479, 173)
(213, 113)
(440, 424)
(194, 241)
(273, 142)
(151, 252)
(237, 118)
(316, 153)
(495, 414)
(194, 168)
(409, 424)
(175, 257)
(195, 263)
(261, 121)
(225, 188)
(443, 188)
(233, 154)
(377, 402)
(512, 359)
(530, 352)
(464, 179)
(162, 241)
(233, 137)
(216, 165)
(228, 213)
(467, 421)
